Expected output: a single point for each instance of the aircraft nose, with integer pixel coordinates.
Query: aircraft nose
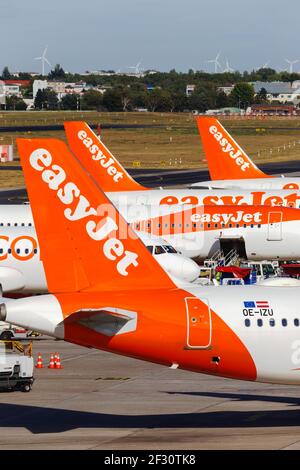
(190, 270)
(179, 266)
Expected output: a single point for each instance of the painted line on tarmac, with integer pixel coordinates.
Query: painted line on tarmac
(73, 358)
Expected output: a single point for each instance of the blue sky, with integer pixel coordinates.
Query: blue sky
(163, 34)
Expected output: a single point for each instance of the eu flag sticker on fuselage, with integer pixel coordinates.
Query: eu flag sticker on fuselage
(257, 304)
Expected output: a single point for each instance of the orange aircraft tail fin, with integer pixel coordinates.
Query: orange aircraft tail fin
(85, 244)
(108, 173)
(225, 158)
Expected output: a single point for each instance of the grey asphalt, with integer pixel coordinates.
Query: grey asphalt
(155, 178)
(103, 401)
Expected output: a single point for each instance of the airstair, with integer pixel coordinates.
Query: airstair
(220, 259)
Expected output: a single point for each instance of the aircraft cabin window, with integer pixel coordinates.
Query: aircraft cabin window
(230, 225)
(272, 322)
(252, 225)
(1, 251)
(18, 251)
(245, 225)
(16, 224)
(195, 225)
(8, 224)
(26, 251)
(259, 226)
(169, 249)
(296, 322)
(216, 225)
(22, 224)
(9, 250)
(259, 322)
(173, 225)
(35, 251)
(247, 322)
(30, 224)
(158, 250)
(284, 322)
(208, 225)
(150, 249)
(1, 224)
(237, 225)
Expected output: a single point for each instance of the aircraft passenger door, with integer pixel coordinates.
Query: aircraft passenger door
(199, 327)
(274, 226)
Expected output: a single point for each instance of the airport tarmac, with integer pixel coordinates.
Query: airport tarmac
(103, 401)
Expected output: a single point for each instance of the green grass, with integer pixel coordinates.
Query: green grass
(176, 144)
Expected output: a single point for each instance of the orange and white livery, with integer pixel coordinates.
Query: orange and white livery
(22, 271)
(255, 232)
(112, 295)
(104, 167)
(98, 160)
(228, 164)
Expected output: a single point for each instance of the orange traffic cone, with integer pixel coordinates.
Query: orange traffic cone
(39, 364)
(57, 361)
(51, 363)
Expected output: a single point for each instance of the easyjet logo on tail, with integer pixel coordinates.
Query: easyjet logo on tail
(108, 164)
(228, 148)
(68, 193)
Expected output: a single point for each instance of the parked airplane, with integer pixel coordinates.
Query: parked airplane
(21, 267)
(229, 166)
(255, 233)
(122, 189)
(108, 292)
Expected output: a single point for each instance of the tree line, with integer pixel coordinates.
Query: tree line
(164, 92)
(121, 98)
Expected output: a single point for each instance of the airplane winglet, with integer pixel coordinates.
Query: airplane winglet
(106, 170)
(85, 244)
(225, 158)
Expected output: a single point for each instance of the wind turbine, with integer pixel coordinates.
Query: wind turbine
(216, 62)
(227, 67)
(291, 63)
(136, 68)
(44, 60)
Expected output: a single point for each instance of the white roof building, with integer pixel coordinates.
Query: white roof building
(280, 92)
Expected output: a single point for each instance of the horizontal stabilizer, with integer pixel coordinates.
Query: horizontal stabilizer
(108, 321)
